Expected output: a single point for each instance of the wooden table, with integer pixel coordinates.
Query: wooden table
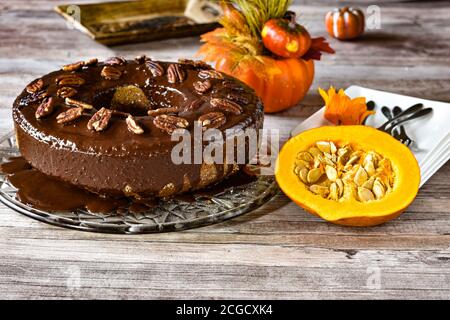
(278, 251)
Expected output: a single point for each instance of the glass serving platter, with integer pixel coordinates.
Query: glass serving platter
(170, 215)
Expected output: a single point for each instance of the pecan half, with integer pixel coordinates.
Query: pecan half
(202, 86)
(33, 97)
(69, 115)
(232, 85)
(77, 103)
(213, 74)
(100, 120)
(115, 61)
(111, 73)
(155, 68)
(133, 126)
(237, 98)
(170, 123)
(66, 92)
(45, 108)
(91, 62)
(69, 80)
(157, 112)
(226, 105)
(73, 66)
(212, 120)
(141, 58)
(195, 63)
(35, 86)
(175, 73)
(194, 105)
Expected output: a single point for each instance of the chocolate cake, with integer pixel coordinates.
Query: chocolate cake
(106, 127)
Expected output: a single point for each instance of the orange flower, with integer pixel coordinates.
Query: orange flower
(341, 110)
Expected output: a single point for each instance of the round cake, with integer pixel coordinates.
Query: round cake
(107, 127)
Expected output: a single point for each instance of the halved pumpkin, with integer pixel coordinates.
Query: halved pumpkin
(348, 175)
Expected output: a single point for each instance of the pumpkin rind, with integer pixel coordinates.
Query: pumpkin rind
(351, 212)
(345, 23)
(285, 41)
(278, 91)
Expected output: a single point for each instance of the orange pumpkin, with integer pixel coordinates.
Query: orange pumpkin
(286, 38)
(285, 87)
(345, 24)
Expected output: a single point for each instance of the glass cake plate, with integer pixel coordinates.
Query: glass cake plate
(170, 215)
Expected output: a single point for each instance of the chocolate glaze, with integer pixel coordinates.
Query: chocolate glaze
(115, 160)
(48, 193)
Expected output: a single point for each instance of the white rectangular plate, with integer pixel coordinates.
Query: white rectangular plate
(430, 133)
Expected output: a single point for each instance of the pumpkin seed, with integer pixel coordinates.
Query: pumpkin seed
(323, 146)
(323, 191)
(302, 163)
(368, 184)
(333, 148)
(340, 186)
(304, 175)
(360, 176)
(314, 151)
(306, 156)
(350, 174)
(314, 175)
(365, 194)
(370, 168)
(325, 160)
(378, 189)
(334, 192)
(331, 173)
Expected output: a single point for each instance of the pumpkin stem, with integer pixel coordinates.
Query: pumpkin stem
(290, 15)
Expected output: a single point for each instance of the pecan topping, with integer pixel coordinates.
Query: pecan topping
(34, 97)
(115, 61)
(45, 108)
(100, 120)
(205, 74)
(66, 92)
(73, 66)
(170, 123)
(226, 105)
(111, 73)
(175, 73)
(140, 59)
(232, 85)
(91, 62)
(69, 80)
(212, 120)
(35, 86)
(77, 103)
(194, 105)
(155, 68)
(237, 98)
(195, 63)
(69, 115)
(157, 112)
(133, 126)
(202, 86)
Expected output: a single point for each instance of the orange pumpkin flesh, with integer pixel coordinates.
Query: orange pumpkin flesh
(350, 211)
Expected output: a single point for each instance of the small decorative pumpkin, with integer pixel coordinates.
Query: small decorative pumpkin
(287, 84)
(348, 175)
(286, 38)
(345, 24)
